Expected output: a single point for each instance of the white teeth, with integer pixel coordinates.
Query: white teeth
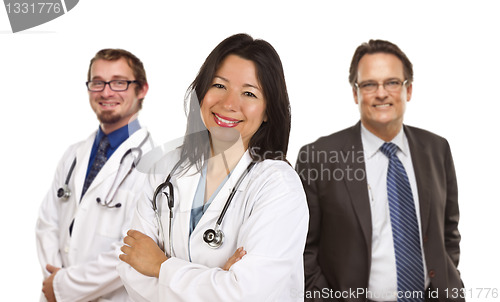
(225, 121)
(108, 104)
(383, 105)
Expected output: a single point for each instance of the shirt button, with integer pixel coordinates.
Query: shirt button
(432, 273)
(66, 249)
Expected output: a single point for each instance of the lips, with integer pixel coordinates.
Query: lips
(108, 105)
(382, 105)
(224, 121)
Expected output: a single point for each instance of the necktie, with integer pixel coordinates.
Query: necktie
(409, 264)
(99, 161)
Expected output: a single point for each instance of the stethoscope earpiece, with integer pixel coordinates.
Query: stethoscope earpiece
(108, 204)
(214, 238)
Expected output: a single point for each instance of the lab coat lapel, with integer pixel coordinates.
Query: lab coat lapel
(186, 185)
(419, 157)
(112, 165)
(82, 163)
(220, 200)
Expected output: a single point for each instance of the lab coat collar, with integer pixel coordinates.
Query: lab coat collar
(187, 184)
(220, 200)
(113, 163)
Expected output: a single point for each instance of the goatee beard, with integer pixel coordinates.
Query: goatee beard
(108, 118)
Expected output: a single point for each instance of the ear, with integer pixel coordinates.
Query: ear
(355, 94)
(409, 90)
(144, 90)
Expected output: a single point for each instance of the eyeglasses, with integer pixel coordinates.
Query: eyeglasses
(115, 85)
(393, 85)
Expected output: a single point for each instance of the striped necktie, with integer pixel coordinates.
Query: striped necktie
(406, 237)
(99, 161)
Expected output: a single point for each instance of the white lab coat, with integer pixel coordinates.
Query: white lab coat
(89, 256)
(268, 217)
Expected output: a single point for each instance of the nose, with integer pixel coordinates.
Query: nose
(230, 101)
(381, 91)
(107, 90)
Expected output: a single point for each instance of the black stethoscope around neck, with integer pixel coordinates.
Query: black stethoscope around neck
(64, 192)
(213, 237)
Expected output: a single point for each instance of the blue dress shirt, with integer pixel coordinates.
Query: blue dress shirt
(116, 138)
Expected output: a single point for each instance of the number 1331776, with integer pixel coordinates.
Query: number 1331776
(472, 293)
(33, 8)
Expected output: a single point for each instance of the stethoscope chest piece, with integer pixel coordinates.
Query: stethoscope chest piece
(214, 238)
(64, 193)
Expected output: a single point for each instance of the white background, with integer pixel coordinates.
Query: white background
(453, 46)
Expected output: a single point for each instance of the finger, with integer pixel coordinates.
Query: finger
(126, 249)
(128, 240)
(135, 234)
(125, 258)
(240, 254)
(131, 233)
(234, 256)
(50, 268)
(237, 254)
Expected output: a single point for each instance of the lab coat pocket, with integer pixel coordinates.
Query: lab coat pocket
(110, 222)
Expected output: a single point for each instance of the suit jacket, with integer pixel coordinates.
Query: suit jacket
(337, 257)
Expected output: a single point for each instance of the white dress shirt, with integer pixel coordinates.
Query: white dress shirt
(382, 285)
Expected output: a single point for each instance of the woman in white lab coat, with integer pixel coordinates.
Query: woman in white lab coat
(245, 118)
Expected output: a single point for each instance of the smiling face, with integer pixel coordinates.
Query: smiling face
(114, 109)
(382, 111)
(235, 100)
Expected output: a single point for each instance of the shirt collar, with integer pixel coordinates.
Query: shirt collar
(117, 137)
(372, 143)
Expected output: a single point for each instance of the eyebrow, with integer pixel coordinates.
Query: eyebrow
(244, 85)
(388, 79)
(115, 77)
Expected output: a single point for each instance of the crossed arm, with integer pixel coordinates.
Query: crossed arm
(140, 252)
(144, 255)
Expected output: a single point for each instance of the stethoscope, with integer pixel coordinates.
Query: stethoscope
(213, 237)
(64, 192)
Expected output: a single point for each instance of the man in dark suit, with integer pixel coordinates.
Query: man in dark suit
(383, 224)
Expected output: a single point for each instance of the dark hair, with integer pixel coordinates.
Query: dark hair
(271, 139)
(379, 46)
(133, 62)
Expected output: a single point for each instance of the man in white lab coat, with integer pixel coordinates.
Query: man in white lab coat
(91, 201)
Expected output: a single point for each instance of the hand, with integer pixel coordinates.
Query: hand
(142, 253)
(47, 288)
(238, 254)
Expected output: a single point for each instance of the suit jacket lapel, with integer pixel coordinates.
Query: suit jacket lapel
(420, 160)
(358, 189)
